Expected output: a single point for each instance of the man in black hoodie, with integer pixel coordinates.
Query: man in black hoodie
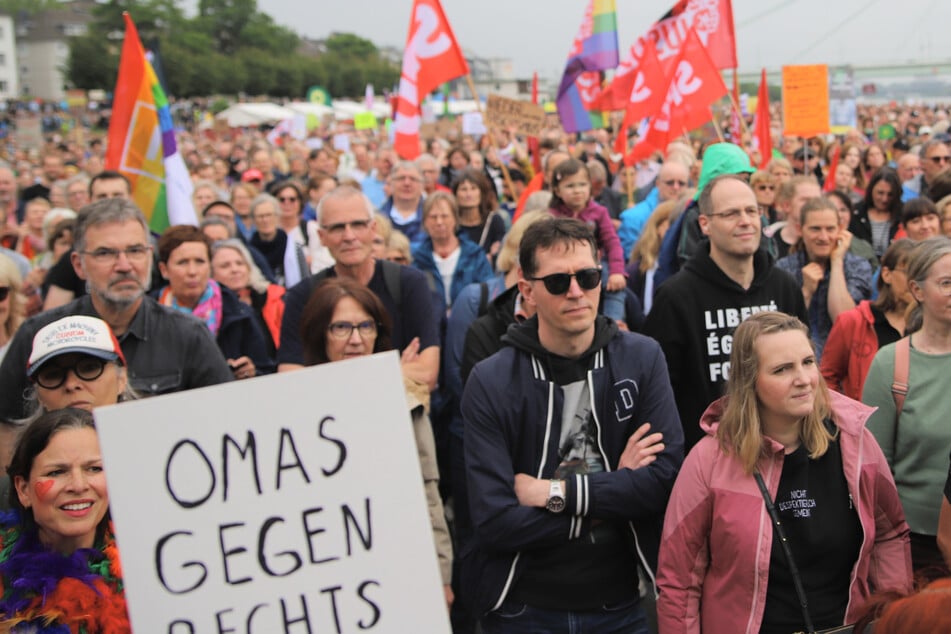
(563, 495)
(728, 279)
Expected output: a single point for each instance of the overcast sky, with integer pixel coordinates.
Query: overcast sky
(536, 34)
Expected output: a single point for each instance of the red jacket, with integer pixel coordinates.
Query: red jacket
(849, 350)
(714, 555)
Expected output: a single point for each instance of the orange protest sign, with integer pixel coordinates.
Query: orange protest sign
(806, 100)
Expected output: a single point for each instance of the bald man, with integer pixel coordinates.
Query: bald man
(671, 182)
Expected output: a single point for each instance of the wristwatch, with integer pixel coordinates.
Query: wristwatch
(556, 498)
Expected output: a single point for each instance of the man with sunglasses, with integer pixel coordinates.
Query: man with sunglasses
(565, 496)
(671, 182)
(935, 158)
(728, 279)
(167, 351)
(346, 223)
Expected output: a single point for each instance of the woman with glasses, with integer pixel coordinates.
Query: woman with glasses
(784, 517)
(75, 362)
(912, 428)
(185, 263)
(343, 320)
(448, 257)
(59, 565)
(878, 217)
(764, 187)
(859, 333)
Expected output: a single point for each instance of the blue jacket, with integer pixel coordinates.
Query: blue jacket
(473, 266)
(412, 229)
(633, 220)
(513, 415)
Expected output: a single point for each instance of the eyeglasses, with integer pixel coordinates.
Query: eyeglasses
(4, 292)
(337, 229)
(135, 253)
(559, 283)
(344, 329)
(938, 160)
(944, 286)
(734, 214)
(264, 216)
(86, 368)
(676, 182)
(288, 199)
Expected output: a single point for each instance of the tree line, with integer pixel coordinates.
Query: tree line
(228, 48)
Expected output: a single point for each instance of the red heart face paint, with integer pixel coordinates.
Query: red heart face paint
(42, 488)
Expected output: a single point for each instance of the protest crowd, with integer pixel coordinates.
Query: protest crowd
(691, 388)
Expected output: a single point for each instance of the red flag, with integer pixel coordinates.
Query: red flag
(833, 165)
(646, 95)
(694, 85)
(432, 57)
(761, 133)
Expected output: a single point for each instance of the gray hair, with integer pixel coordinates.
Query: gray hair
(108, 210)
(406, 166)
(426, 159)
(78, 178)
(927, 145)
(346, 191)
(257, 281)
(261, 199)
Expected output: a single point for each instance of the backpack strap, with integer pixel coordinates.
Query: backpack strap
(391, 278)
(483, 298)
(900, 377)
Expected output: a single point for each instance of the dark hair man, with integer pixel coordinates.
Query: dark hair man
(561, 500)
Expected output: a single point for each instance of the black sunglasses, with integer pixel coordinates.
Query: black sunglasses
(559, 283)
(87, 368)
(4, 292)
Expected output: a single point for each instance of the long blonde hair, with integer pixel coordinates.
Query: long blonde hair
(10, 276)
(647, 247)
(741, 431)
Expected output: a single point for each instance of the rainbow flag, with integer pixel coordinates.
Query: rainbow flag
(594, 49)
(141, 141)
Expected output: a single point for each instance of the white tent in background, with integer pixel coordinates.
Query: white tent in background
(242, 115)
(319, 110)
(345, 109)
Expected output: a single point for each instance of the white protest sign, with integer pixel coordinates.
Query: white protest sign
(288, 503)
(472, 124)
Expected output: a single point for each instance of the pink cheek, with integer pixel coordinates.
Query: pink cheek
(42, 488)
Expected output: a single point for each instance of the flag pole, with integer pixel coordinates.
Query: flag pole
(739, 114)
(716, 126)
(492, 137)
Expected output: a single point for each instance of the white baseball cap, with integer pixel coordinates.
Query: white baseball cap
(76, 333)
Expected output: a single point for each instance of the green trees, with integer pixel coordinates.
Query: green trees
(228, 48)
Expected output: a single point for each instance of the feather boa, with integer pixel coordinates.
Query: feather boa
(45, 592)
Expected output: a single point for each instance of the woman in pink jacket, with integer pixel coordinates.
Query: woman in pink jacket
(723, 567)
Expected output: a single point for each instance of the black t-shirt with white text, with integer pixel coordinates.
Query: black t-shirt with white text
(825, 535)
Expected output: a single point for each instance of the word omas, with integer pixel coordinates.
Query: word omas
(249, 546)
(424, 44)
(719, 343)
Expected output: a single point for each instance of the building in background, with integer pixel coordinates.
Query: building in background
(42, 47)
(9, 82)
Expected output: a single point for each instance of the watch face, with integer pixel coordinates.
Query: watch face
(556, 504)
